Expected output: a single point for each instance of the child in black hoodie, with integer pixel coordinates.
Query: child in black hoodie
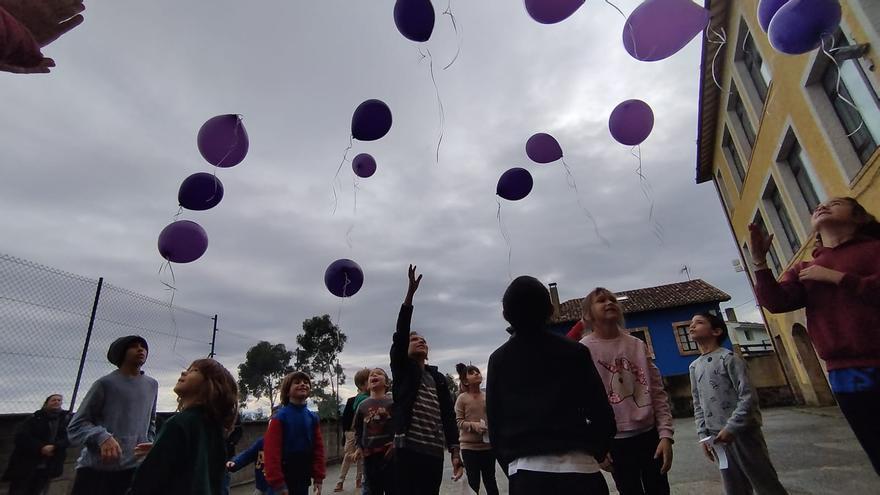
(549, 420)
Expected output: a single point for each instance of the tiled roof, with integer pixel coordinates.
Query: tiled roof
(652, 298)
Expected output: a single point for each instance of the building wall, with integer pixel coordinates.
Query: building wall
(667, 355)
(792, 105)
(757, 333)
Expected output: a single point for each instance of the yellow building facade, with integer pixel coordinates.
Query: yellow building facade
(779, 133)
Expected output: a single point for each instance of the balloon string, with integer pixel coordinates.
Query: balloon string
(166, 265)
(234, 141)
(336, 177)
(617, 9)
(441, 111)
(216, 186)
(828, 53)
(355, 187)
(569, 176)
(722, 40)
(647, 191)
(339, 317)
(176, 215)
(348, 238)
(458, 36)
(506, 237)
(627, 27)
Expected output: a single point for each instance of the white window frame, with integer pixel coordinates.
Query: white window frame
(788, 183)
(748, 82)
(848, 162)
(776, 220)
(735, 123)
(738, 181)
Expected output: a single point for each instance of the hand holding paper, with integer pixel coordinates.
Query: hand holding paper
(718, 449)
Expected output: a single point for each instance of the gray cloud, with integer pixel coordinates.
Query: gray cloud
(92, 156)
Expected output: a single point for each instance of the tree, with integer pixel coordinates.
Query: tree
(261, 373)
(316, 354)
(453, 385)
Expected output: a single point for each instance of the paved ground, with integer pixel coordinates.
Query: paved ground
(813, 450)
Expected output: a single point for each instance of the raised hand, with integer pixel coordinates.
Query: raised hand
(759, 243)
(47, 20)
(413, 285)
(42, 67)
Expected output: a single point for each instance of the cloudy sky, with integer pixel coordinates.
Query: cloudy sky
(91, 157)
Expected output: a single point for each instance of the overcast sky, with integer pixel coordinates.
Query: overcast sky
(91, 157)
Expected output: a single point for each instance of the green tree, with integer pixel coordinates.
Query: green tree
(261, 373)
(318, 348)
(453, 385)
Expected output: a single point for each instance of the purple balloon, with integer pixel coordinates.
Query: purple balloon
(414, 19)
(364, 165)
(631, 122)
(766, 10)
(344, 278)
(183, 241)
(552, 11)
(200, 191)
(799, 25)
(515, 184)
(371, 120)
(543, 148)
(223, 140)
(657, 29)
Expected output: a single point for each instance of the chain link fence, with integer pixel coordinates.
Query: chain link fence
(49, 335)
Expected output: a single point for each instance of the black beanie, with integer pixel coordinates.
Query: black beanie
(116, 352)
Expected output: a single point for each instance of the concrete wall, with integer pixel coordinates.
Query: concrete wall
(252, 431)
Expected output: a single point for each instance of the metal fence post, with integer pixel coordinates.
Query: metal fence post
(82, 360)
(213, 337)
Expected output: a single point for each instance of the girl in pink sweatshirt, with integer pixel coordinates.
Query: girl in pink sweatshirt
(840, 290)
(641, 453)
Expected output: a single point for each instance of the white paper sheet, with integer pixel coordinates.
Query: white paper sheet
(718, 448)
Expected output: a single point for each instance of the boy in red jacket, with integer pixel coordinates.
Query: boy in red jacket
(293, 448)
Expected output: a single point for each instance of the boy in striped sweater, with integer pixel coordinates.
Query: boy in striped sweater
(423, 413)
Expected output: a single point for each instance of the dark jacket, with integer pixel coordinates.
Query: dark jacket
(31, 436)
(188, 458)
(234, 437)
(348, 414)
(544, 396)
(406, 378)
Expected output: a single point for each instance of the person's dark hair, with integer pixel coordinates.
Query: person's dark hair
(287, 382)
(526, 304)
(868, 224)
(716, 322)
(119, 347)
(49, 397)
(463, 370)
(219, 394)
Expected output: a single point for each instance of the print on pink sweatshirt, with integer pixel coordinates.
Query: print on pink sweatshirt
(633, 384)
